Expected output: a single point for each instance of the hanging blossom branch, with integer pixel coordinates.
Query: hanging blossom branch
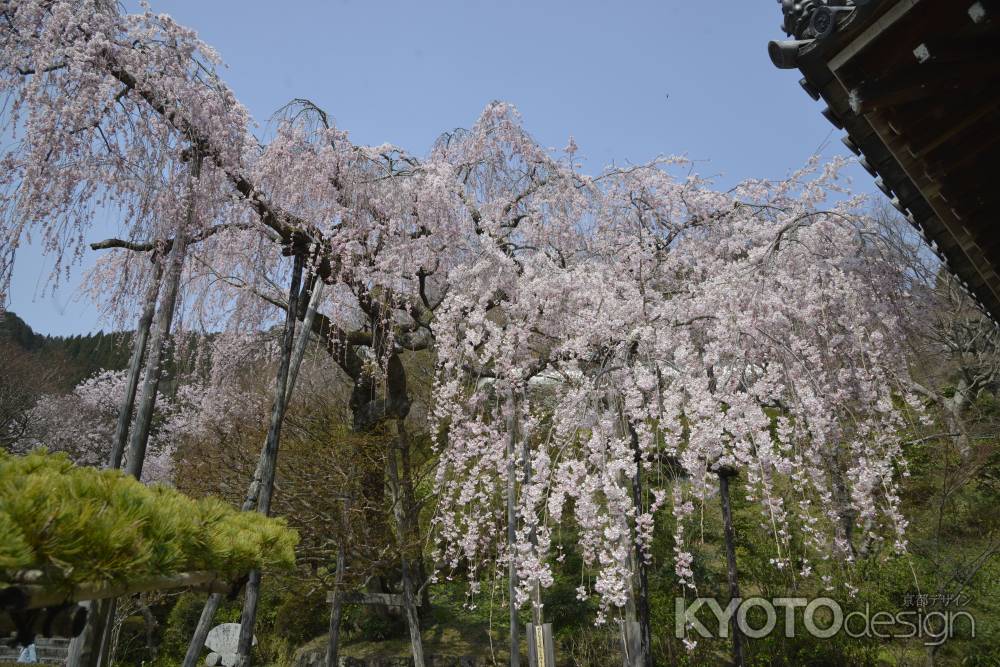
(745, 330)
(129, 95)
(164, 247)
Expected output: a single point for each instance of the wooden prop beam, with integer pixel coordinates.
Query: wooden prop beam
(34, 596)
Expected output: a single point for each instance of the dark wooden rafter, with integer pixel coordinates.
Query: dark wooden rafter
(920, 83)
(916, 85)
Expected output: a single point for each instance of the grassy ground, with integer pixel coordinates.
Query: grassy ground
(438, 640)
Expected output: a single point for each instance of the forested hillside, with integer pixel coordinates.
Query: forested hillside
(74, 357)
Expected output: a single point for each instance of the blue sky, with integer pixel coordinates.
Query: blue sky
(629, 80)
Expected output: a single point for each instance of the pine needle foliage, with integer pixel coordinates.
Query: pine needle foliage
(83, 525)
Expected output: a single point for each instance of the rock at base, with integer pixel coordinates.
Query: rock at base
(224, 638)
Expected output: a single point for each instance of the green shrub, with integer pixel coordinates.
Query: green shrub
(78, 524)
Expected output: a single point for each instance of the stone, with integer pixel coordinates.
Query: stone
(213, 659)
(224, 638)
(228, 660)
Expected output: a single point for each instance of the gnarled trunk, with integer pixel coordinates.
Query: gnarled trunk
(403, 530)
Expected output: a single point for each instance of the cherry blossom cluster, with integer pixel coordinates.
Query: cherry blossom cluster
(103, 111)
(82, 424)
(658, 324)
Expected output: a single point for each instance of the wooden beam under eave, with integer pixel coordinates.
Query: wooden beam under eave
(34, 596)
(992, 244)
(974, 253)
(907, 41)
(967, 191)
(952, 237)
(920, 147)
(871, 33)
(921, 82)
(941, 164)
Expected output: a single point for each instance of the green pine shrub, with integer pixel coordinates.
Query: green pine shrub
(82, 525)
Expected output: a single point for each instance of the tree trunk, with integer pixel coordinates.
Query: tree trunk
(725, 474)
(642, 601)
(270, 460)
(135, 366)
(515, 634)
(954, 407)
(409, 600)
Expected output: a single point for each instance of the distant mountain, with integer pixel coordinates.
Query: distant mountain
(15, 330)
(77, 357)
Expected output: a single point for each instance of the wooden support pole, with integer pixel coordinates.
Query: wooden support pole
(541, 646)
(92, 647)
(135, 365)
(515, 634)
(104, 610)
(725, 474)
(632, 644)
(337, 601)
(642, 600)
(201, 630)
(197, 643)
(537, 615)
(301, 343)
(399, 513)
(270, 461)
(158, 342)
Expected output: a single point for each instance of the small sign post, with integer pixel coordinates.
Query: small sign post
(632, 644)
(541, 647)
